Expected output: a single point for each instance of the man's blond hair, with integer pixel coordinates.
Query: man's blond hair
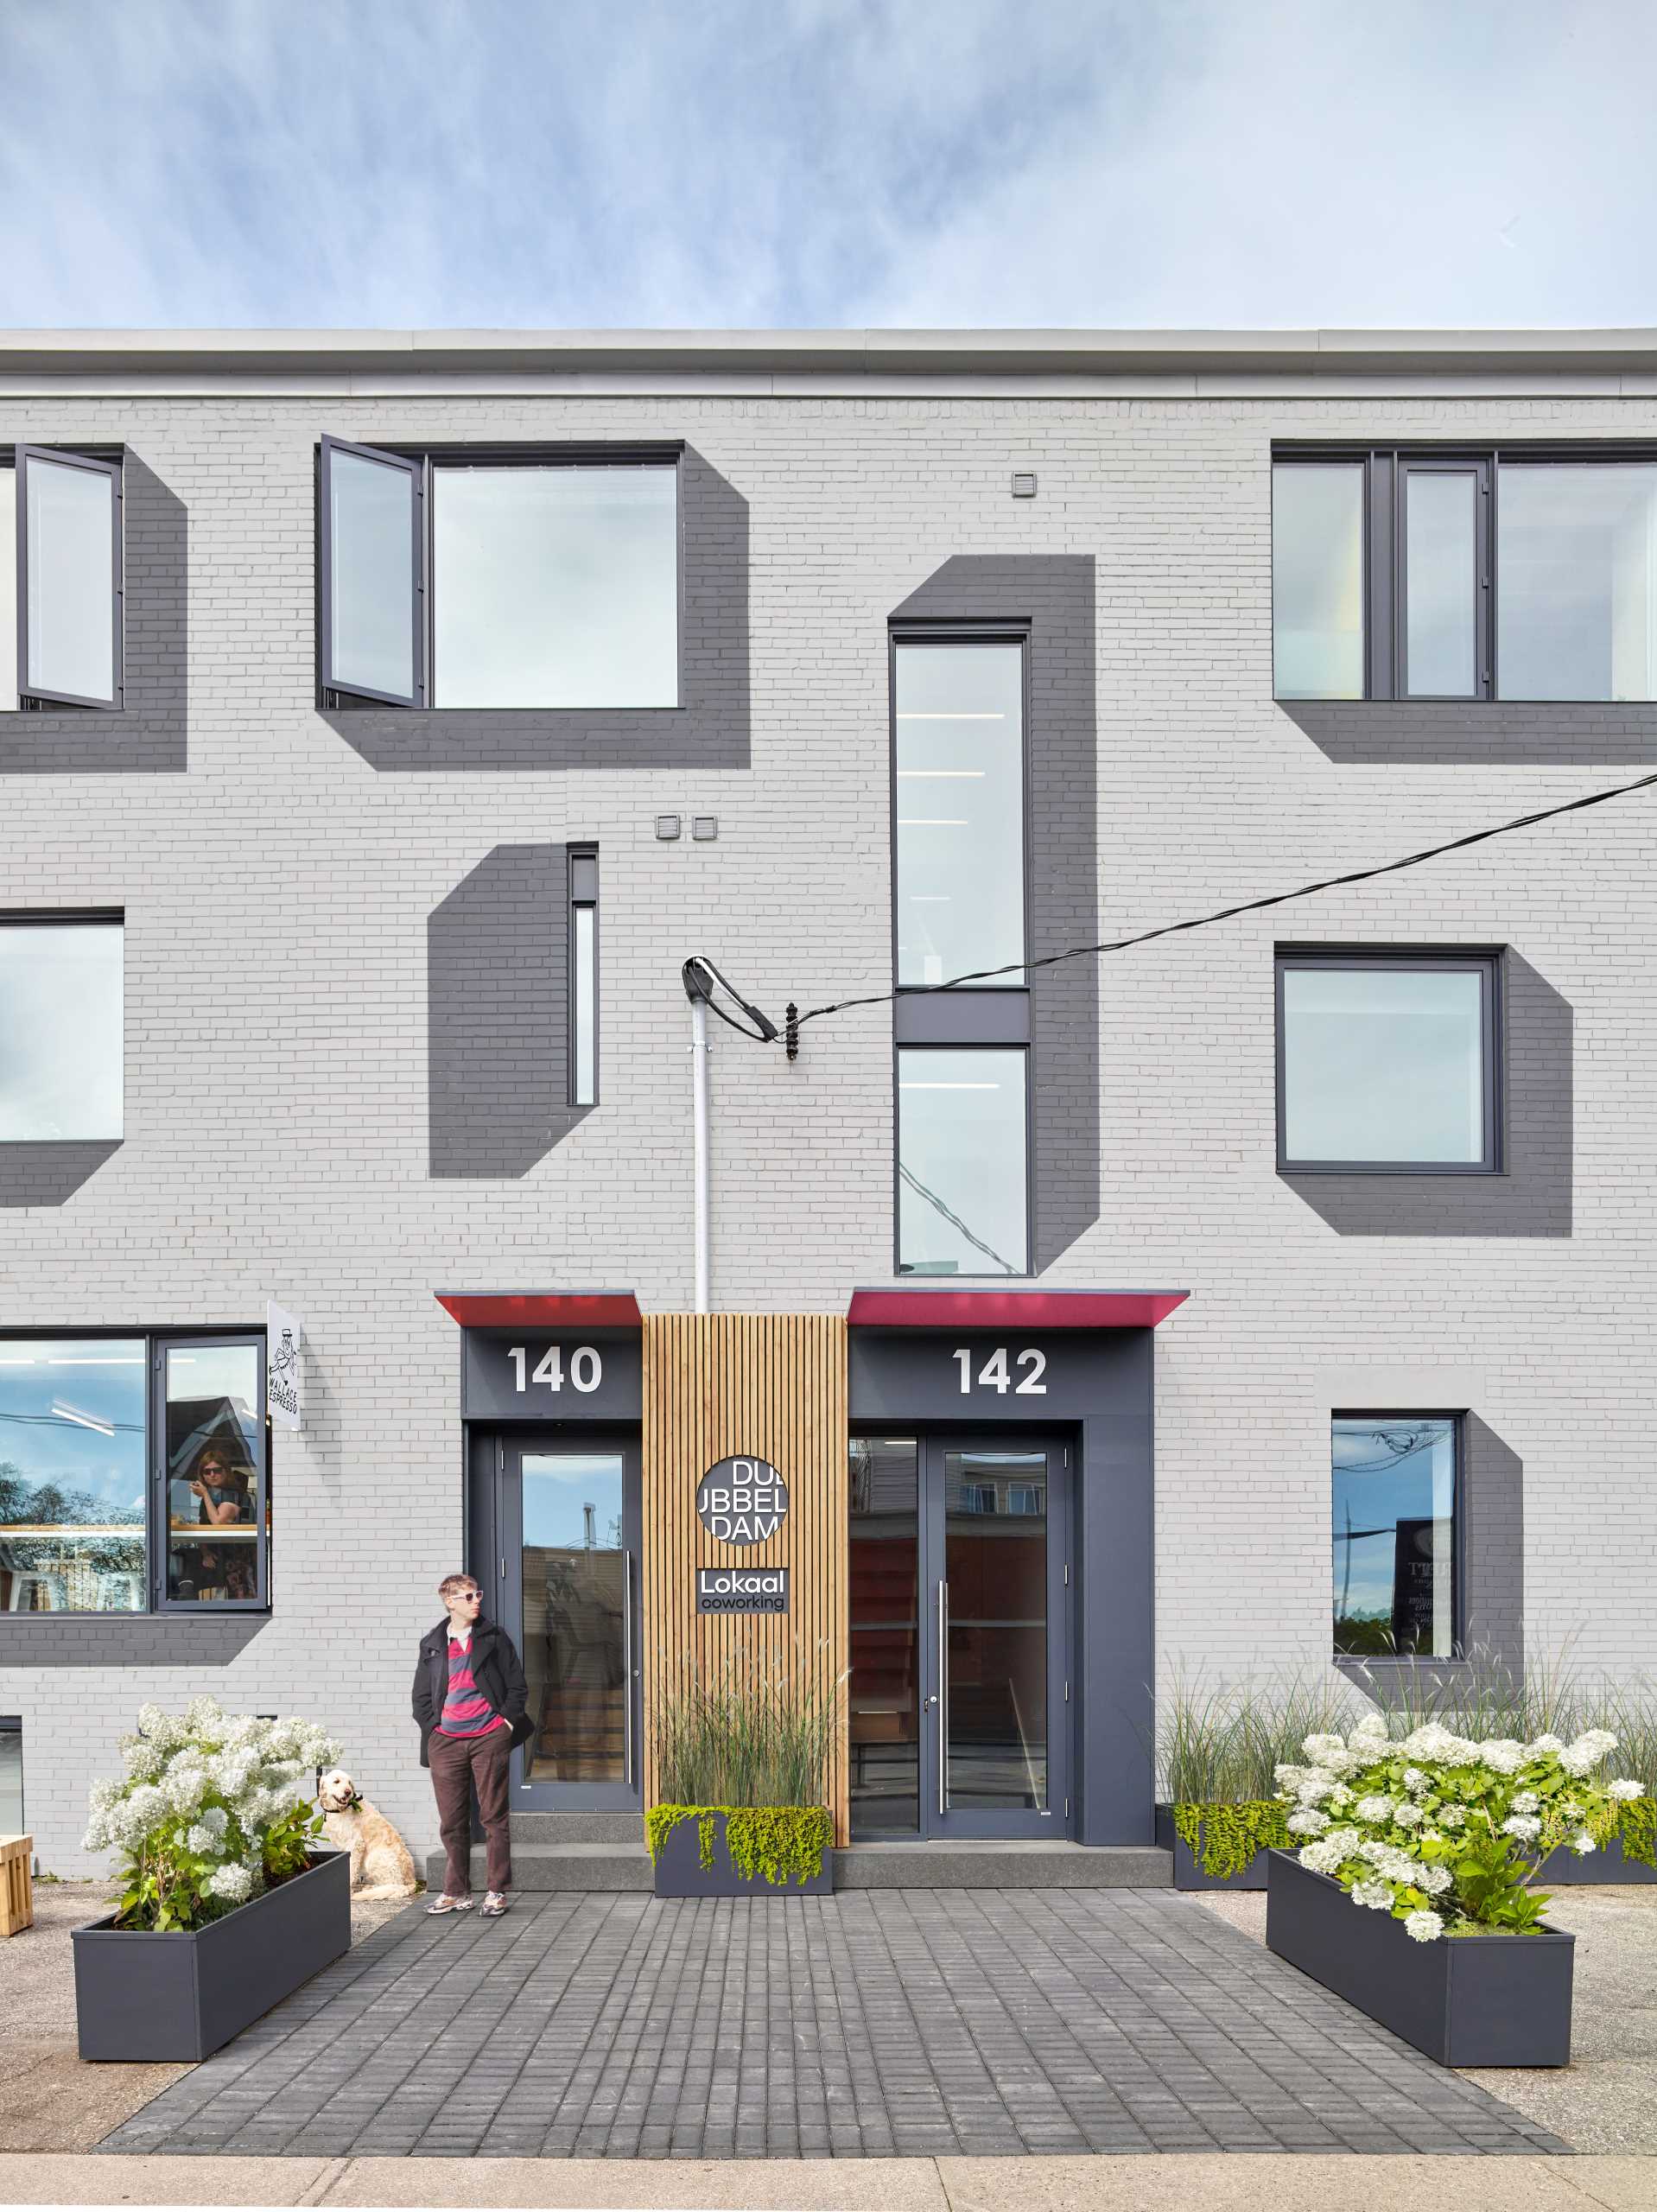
(450, 1583)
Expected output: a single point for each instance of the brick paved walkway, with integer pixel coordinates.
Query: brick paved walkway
(919, 2023)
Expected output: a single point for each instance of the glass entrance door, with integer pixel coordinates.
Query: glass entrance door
(568, 1518)
(960, 1632)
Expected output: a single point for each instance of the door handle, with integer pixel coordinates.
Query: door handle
(629, 1672)
(943, 1699)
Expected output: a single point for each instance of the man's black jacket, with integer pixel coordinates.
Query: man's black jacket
(496, 1668)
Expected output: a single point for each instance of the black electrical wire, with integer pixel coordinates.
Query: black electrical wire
(1222, 914)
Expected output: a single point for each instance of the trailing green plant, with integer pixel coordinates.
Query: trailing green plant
(771, 1843)
(746, 1734)
(213, 1809)
(1221, 1744)
(1636, 1830)
(1230, 1834)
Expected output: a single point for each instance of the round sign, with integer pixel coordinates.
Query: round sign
(742, 1500)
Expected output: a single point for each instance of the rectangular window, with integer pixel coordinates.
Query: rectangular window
(1493, 575)
(62, 1030)
(1318, 580)
(60, 580)
(1387, 1061)
(509, 582)
(963, 1205)
(958, 714)
(11, 1775)
(882, 1689)
(1395, 1526)
(583, 976)
(132, 1473)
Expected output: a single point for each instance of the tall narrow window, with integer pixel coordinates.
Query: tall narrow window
(1394, 1483)
(962, 1199)
(372, 564)
(1318, 580)
(1442, 535)
(60, 1031)
(583, 976)
(883, 1699)
(959, 722)
(8, 590)
(69, 578)
(217, 1503)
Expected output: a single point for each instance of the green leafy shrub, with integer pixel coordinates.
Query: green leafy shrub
(771, 1843)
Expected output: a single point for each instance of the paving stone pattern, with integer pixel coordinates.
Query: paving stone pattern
(878, 2022)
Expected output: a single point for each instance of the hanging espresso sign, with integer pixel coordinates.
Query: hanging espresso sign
(742, 1500)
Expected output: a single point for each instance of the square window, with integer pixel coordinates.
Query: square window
(1394, 1487)
(73, 1475)
(1387, 1062)
(962, 1199)
(61, 1030)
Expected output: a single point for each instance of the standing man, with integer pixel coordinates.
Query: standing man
(471, 1701)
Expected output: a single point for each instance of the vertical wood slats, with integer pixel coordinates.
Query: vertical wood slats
(774, 1385)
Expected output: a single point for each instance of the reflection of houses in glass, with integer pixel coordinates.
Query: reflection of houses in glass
(1395, 1486)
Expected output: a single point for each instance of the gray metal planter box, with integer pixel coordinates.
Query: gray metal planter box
(1187, 1872)
(680, 1873)
(1563, 1870)
(142, 1995)
(1466, 2000)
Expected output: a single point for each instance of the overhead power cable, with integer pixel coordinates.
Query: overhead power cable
(796, 1020)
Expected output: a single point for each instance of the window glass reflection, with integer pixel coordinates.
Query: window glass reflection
(884, 1692)
(995, 1551)
(1394, 1501)
(72, 1475)
(554, 587)
(1441, 571)
(61, 1041)
(959, 810)
(70, 531)
(575, 1594)
(371, 519)
(1577, 580)
(961, 1163)
(8, 590)
(585, 1001)
(1384, 1065)
(214, 1439)
(11, 1776)
(1318, 580)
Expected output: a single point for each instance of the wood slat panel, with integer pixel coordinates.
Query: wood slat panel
(773, 1385)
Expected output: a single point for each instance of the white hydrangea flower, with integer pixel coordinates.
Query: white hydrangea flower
(1422, 1926)
(1409, 1816)
(142, 1759)
(1502, 1754)
(1527, 1801)
(1375, 1808)
(1522, 1825)
(1378, 1896)
(1321, 1749)
(1625, 1792)
(1313, 1787)
(1306, 1823)
(233, 1882)
(1326, 1856)
(1415, 1780)
(1452, 1816)
(1582, 1844)
(1370, 1730)
(1435, 1880)
(1541, 1745)
(1339, 1798)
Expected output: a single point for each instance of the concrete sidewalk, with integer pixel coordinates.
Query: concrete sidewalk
(1174, 2181)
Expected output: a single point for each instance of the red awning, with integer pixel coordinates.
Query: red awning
(1012, 1309)
(541, 1309)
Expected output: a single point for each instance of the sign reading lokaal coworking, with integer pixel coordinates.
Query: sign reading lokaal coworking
(742, 1500)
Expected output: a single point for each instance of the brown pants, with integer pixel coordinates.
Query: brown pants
(456, 1762)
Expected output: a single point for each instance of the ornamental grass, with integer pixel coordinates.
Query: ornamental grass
(745, 1733)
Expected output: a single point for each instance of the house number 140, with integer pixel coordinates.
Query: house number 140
(586, 1367)
(995, 1374)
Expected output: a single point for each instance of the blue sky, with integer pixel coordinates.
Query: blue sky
(651, 162)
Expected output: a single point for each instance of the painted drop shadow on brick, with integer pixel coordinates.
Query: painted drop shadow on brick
(1532, 1196)
(49, 1173)
(710, 729)
(149, 736)
(497, 1037)
(172, 1639)
(1477, 733)
(1054, 595)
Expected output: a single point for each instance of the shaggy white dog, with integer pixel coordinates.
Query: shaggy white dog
(380, 1864)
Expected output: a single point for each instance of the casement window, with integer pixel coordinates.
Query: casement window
(1389, 1062)
(959, 881)
(1396, 1489)
(134, 1474)
(583, 975)
(1483, 573)
(60, 580)
(62, 1028)
(456, 579)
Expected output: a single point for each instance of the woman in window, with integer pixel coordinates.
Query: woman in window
(224, 1489)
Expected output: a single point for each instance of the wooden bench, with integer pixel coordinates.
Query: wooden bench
(16, 1885)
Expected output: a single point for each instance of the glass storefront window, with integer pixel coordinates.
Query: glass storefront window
(1394, 1537)
(961, 1163)
(960, 811)
(883, 1693)
(574, 1596)
(73, 1475)
(215, 1465)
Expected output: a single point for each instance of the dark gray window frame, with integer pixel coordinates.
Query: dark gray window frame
(34, 699)
(423, 461)
(1457, 1417)
(1488, 961)
(583, 896)
(986, 1017)
(1387, 467)
(75, 918)
(156, 1342)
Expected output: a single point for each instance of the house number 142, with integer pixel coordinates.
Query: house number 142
(995, 1375)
